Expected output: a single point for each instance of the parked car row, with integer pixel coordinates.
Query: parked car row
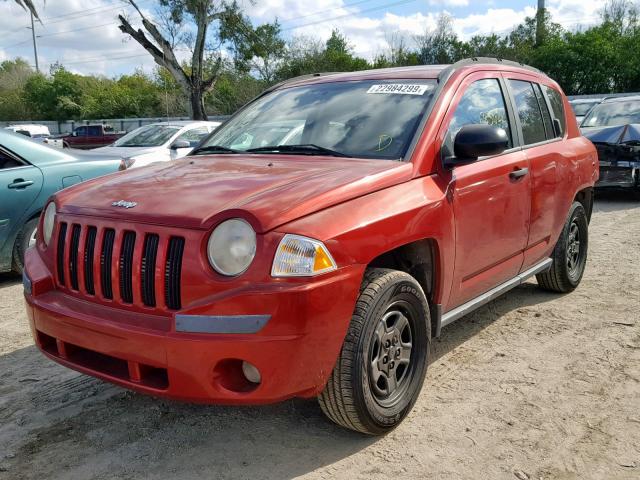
(30, 172)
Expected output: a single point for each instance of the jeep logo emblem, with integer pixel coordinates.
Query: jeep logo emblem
(124, 204)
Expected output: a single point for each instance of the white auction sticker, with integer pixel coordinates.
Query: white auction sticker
(399, 88)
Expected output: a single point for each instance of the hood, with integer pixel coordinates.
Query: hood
(268, 190)
(612, 135)
(125, 152)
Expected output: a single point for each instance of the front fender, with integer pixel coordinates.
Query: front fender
(358, 231)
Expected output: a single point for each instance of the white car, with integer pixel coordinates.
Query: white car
(159, 142)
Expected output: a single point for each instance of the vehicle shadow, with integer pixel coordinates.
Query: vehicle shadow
(86, 425)
(9, 279)
(616, 199)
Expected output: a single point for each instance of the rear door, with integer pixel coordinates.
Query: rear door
(20, 184)
(542, 133)
(491, 197)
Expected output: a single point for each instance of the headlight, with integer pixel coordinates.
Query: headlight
(48, 221)
(301, 257)
(232, 246)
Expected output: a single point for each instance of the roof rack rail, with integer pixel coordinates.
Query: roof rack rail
(295, 79)
(446, 73)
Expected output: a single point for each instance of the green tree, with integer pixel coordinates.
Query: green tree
(57, 97)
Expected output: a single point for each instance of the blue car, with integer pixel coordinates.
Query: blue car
(29, 173)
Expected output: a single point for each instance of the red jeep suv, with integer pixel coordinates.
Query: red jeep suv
(315, 244)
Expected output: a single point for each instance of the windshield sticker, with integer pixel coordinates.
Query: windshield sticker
(399, 88)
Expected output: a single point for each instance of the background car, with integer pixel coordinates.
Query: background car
(614, 128)
(159, 142)
(29, 173)
(581, 107)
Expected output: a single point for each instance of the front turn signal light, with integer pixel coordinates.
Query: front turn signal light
(299, 256)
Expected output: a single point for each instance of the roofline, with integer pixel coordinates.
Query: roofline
(447, 72)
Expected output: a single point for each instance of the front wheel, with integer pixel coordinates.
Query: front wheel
(569, 255)
(381, 367)
(25, 239)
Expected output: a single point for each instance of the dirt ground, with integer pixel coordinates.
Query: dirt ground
(532, 386)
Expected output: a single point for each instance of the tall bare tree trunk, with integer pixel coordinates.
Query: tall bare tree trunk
(196, 103)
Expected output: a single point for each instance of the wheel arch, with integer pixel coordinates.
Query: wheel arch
(585, 197)
(420, 259)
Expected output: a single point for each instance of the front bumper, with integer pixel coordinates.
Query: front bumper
(295, 350)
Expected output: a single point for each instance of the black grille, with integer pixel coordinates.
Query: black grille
(173, 267)
(148, 270)
(126, 267)
(62, 237)
(86, 256)
(73, 256)
(89, 249)
(105, 263)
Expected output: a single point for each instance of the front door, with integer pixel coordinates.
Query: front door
(20, 184)
(491, 197)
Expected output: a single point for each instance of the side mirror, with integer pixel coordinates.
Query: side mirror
(178, 144)
(480, 140)
(74, 134)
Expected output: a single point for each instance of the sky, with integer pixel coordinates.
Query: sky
(83, 34)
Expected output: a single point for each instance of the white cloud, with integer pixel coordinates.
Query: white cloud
(449, 3)
(92, 48)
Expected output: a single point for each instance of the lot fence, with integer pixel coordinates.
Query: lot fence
(118, 124)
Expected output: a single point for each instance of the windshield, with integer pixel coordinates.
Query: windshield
(613, 114)
(370, 119)
(581, 109)
(147, 136)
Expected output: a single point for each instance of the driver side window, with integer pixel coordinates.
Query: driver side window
(482, 103)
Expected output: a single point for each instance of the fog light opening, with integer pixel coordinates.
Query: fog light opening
(251, 373)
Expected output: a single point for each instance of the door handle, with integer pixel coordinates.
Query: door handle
(20, 183)
(519, 173)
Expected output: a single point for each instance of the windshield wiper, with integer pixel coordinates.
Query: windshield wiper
(213, 149)
(307, 149)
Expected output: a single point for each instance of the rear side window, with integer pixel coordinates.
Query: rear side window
(557, 107)
(546, 116)
(481, 103)
(528, 112)
(7, 161)
(95, 131)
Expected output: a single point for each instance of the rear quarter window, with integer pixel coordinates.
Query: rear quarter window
(528, 111)
(557, 107)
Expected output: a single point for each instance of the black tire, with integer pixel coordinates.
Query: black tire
(351, 398)
(22, 243)
(568, 265)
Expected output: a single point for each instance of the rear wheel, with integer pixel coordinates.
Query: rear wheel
(570, 254)
(25, 239)
(381, 367)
